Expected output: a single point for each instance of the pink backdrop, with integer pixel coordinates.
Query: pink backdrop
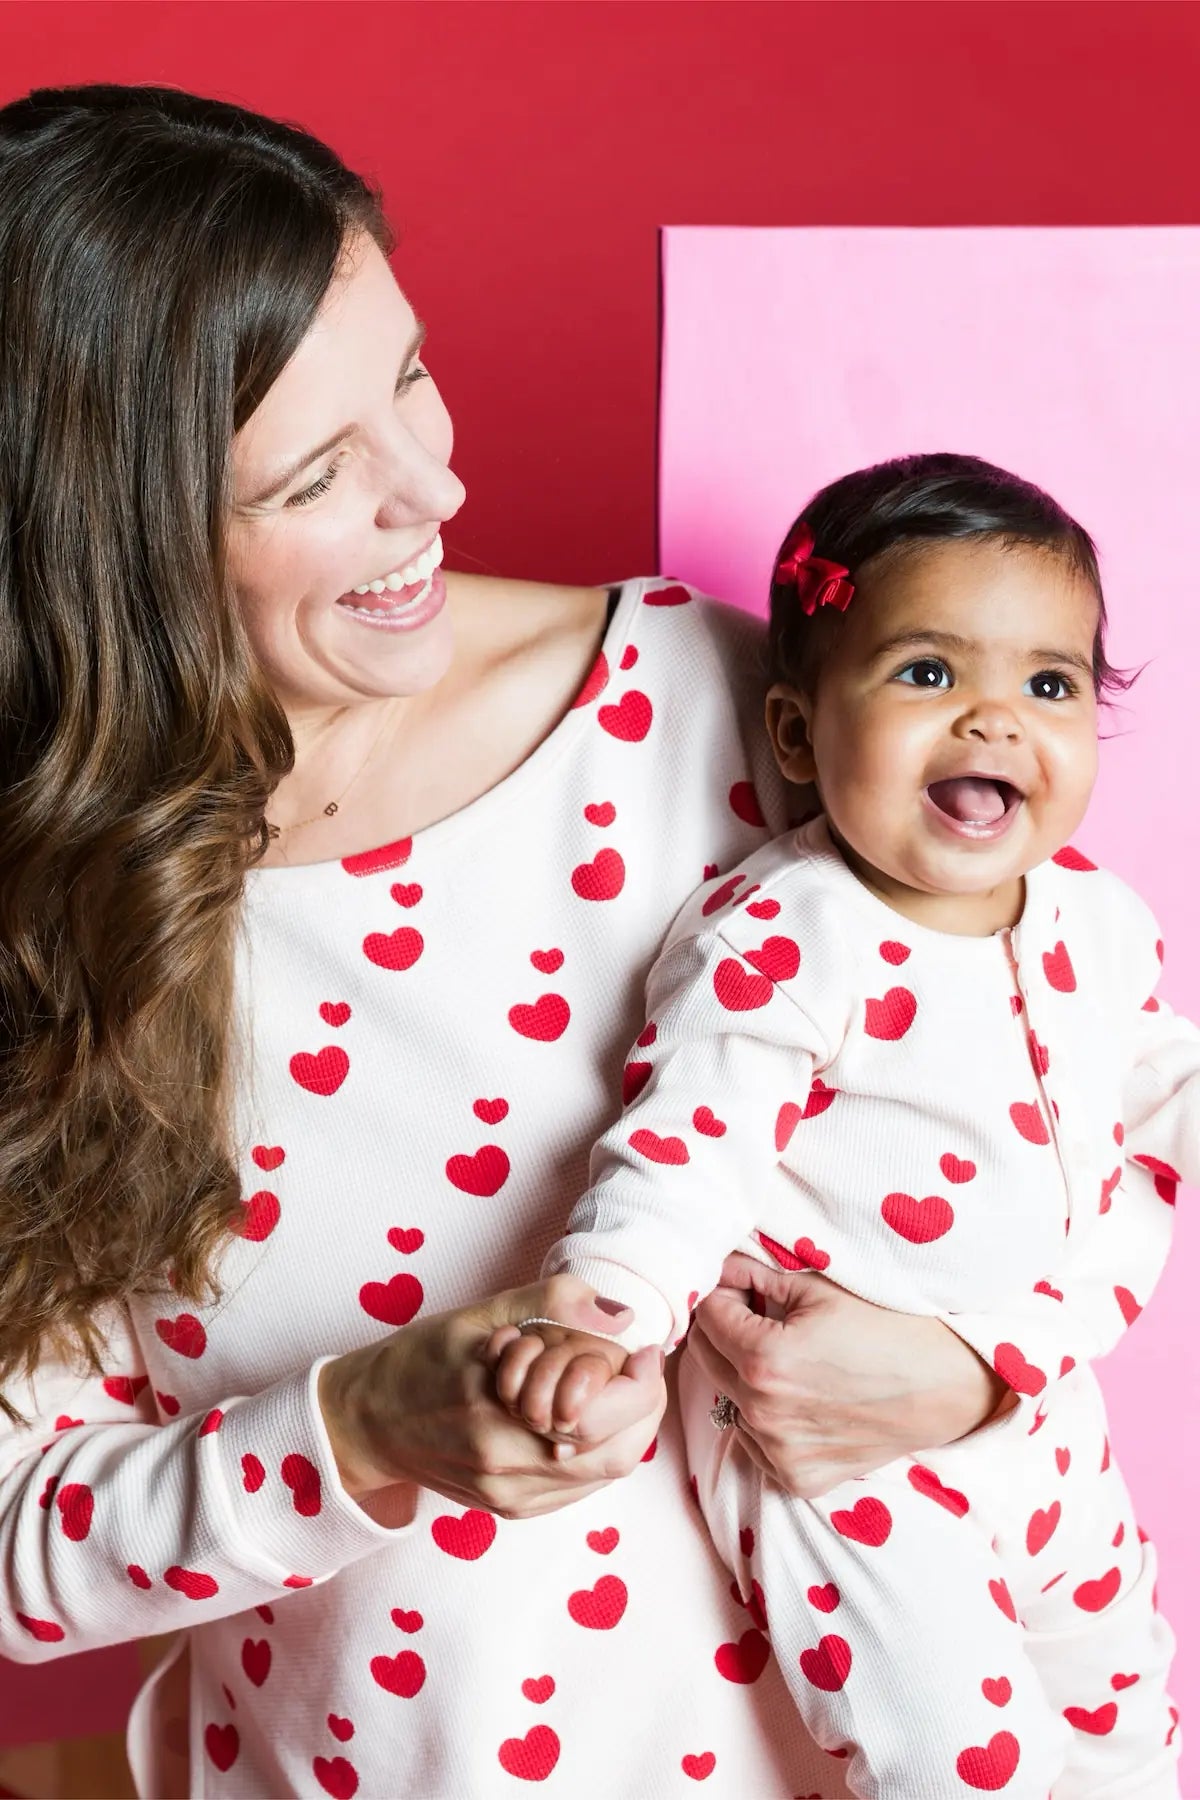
(792, 356)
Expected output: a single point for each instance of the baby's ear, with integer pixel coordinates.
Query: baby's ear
(787, 716)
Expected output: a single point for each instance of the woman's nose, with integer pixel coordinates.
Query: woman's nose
(419, 486)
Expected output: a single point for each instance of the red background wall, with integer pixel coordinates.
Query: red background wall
(530, 151)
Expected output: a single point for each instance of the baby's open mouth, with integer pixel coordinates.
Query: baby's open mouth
(974, 799)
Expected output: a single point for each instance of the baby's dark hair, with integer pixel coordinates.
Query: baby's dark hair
(873, 512)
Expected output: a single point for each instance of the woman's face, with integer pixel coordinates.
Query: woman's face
(341, 479)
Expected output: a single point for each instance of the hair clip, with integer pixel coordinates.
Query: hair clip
(816, 581)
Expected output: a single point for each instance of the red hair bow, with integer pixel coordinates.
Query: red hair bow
(816, 581)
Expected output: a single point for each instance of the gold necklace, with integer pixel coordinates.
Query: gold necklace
(327, 812)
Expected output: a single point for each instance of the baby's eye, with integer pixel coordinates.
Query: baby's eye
(926, 672)
(1048, 684)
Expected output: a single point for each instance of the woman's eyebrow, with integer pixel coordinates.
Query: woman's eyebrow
(286, 476)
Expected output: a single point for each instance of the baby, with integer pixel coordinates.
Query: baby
(913, 1045)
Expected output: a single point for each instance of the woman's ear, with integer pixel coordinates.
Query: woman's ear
(788, 715)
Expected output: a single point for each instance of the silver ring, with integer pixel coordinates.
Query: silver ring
(724, 1413)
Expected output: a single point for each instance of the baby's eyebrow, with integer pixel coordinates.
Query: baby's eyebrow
(950, 640)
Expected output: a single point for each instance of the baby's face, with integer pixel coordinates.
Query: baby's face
(954, 725)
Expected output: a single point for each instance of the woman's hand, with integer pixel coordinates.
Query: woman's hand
(836, 1387)
(419, 1410)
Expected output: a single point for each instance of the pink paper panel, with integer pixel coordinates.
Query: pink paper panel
(793, 356)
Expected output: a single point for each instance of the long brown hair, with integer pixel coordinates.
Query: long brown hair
(161, 258)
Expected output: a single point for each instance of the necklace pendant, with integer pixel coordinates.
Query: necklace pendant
(331, 809)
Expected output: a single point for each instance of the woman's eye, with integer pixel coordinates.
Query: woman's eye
(927, 672)
(320, 486)
(1048, 685)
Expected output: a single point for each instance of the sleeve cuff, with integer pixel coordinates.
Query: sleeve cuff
(655, 1319)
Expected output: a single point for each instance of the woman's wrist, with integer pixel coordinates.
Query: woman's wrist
(344, 1394)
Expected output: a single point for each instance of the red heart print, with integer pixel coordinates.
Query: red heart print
(808, 1256)
(1039, 1056)
(1043, 1523)
(699, 1768)
(402, 1674)
(601, 812)
(786, 1121)
(406, 1240)
(1044, 1287)
(1023, 1377)
(634, 1077)
(1106, 1459)
(999, 1591)
(628, 656)
(490, 1111)
(778, 958)
(828, 1665)
(342, 1729)
(392, 1302)
(990, 1766)
(867, 1522)
(957, 1168)
(138, 1576)
(596, 682)
(1029, 1122)
(538, 1688)
(998, 1691)
(44, 1630)
(212, 1421)
(894, 952)
(168, 1402)
(1108, 1188)
(297, 1581)
(1070, 858)
(826, 1599)
(222, 1745)
(1059, 973)
(739, 991)
(407, 1621)
(338, 1777)
(604, 1542)
(76, 1504)
(374, 862)
(1098, 1723)
(891, 1017)
(744, 801)
(253, 1475)
(721, 895)
(544, 1021)
(651, 1451)
(64, 1422)
(397, 950)
(467, 1536)
(546, 962)
(744, 1661)
(707, 1123)
(256, 1660)
(1119, 1536)
(675, 595)
(1094, 1596)
(819, 1098)
(483, 1174)
(1063, 1458)
(304, 1480)
(1119, 1682)
(193, 1584)
(407, 894)
(260, 1216)
(531, 1758)
(746, 1540)
(917, 1221)
(601, 879)
(268, 1156)
(1166, 1178)
(1130, 1308)
(928, 1482)
(184, 1335)
(334, 1012)
(630, 719)
(47, 1493)
(601, 1607)
(657, 1149)
(322, 1074)
(1016, 1005)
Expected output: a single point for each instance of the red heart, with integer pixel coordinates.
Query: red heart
(819, 1098)
(211, 1422)
(1004, 1600)
(396, 950)
(546, 962)
(992, 1765)
(1063, 1459)
(1029, 1121)
(1039, 1056)
(1098, 1723)
(268, 1156)
(184, 1335)
(338, 1777)
(392, 1302)
(1041, 1527)
(707, 1123)
(1108, 1188)
(928, 1482)
(407, 894)
(76, 1504)
(253, 1476)
(138, 1576)
(297, 1581)
(467, 1536)
(374, 862)
(604, 1542)
(538, 1688)
(545, 1020)
(739, 991)
(746, 1540)
(744, 801)
(891, 1017)
(999, 1692)
(192, 1583)
(762, 909)
(334, 1012)
(721, 895)
(1070, 858)
(917, 1221)
(825, 1599)
(744, 1661)
(406, 1241)
(321, 1074)
(657, 1149)
(491, 1111)
(1043, 1287)
(1059, 972)
(1023, 1377)
(957, 1169)
(778, 958)
(221, 1743)
(168, 1402)
(260, 1216)
(600, 813)
(634, 1077)
(256, 1660)
(1016, 1005)
(342, 1729)
(1120, 1682)
(808, 1256)
(125, 1388)
(531, 1758)
(893, 952)
(1094, 1596)
(483, 1174)
(601, 879)
(675, 595)
(699, 1767)
(828, 1665)
(304, 1480)
(1166, 1178)
(630, 719)
(407, 1621)
(402, 1674)
(44, 1630)
(600, 1607)
(786, 1121)
(597, 681)
(647, 1035)
(867, 1522)
(1128, 1305)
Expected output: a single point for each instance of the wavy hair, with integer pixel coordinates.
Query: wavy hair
(161, 258)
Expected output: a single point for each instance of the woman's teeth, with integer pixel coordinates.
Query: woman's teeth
(409, 575)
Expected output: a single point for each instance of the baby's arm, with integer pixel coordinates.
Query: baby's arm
(548, 1375)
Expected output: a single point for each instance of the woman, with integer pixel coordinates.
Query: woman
(282, 1104)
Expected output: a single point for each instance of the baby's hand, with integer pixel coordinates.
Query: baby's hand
(548, 1375)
